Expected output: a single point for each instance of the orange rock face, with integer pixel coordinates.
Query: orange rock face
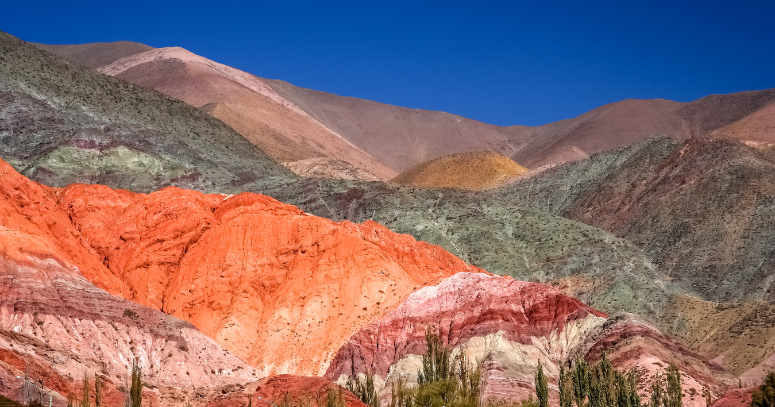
(280, 289)
(32, 223)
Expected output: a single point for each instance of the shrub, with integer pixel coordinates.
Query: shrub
(764, 396)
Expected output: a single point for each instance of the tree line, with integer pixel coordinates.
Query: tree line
(454, 381)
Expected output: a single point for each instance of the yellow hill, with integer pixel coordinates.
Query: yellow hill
(475, 171)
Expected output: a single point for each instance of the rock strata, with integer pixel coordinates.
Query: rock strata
(280, 289)
(509, 327)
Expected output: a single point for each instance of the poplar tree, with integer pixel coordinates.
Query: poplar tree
(580, 378)
(657, 396)
(542, 387)
(85, 399)
(364, 390)
(764, 396)
(674, 391)
(435, 361)
(566, 389)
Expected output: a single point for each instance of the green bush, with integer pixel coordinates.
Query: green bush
(764, 396)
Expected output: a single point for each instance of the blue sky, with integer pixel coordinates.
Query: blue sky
(499, 62)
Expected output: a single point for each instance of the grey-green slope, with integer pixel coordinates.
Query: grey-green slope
(63, 123)
(703, 210)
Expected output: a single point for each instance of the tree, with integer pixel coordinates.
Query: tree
(435, 361)
(442, 380)
(542, 387)
(674, 390)
(85, 399)
(97, 391)
(335, 398)
(136, 390)
(666, 390)
(566, 389)
(580, 379)
(764, 396)
(364, 390)
(400, 395)
(657, 398)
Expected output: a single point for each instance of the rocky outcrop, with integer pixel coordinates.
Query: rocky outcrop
(459, 309)
(58, 326)
(509, 327)
(277, 287)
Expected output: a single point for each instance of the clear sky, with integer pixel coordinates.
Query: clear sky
(504, 63)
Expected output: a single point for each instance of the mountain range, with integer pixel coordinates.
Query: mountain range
(245, 233)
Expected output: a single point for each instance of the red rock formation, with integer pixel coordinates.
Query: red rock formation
(58, 325)
(510, 326)
(279, 288)
(631, 343)
(518, 322)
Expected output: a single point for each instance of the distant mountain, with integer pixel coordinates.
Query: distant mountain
(392, 139)
(62, 121)
(475, 171)
(96, 54)
(758, 127)
(404, 137)
(244, 102)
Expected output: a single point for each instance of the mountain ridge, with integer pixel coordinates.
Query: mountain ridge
(418, 135)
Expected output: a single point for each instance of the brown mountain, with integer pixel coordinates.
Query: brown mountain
(475, 171)
(244, 102)
(758, 127)
(96, 54)
(420, 135)
(392, 139)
